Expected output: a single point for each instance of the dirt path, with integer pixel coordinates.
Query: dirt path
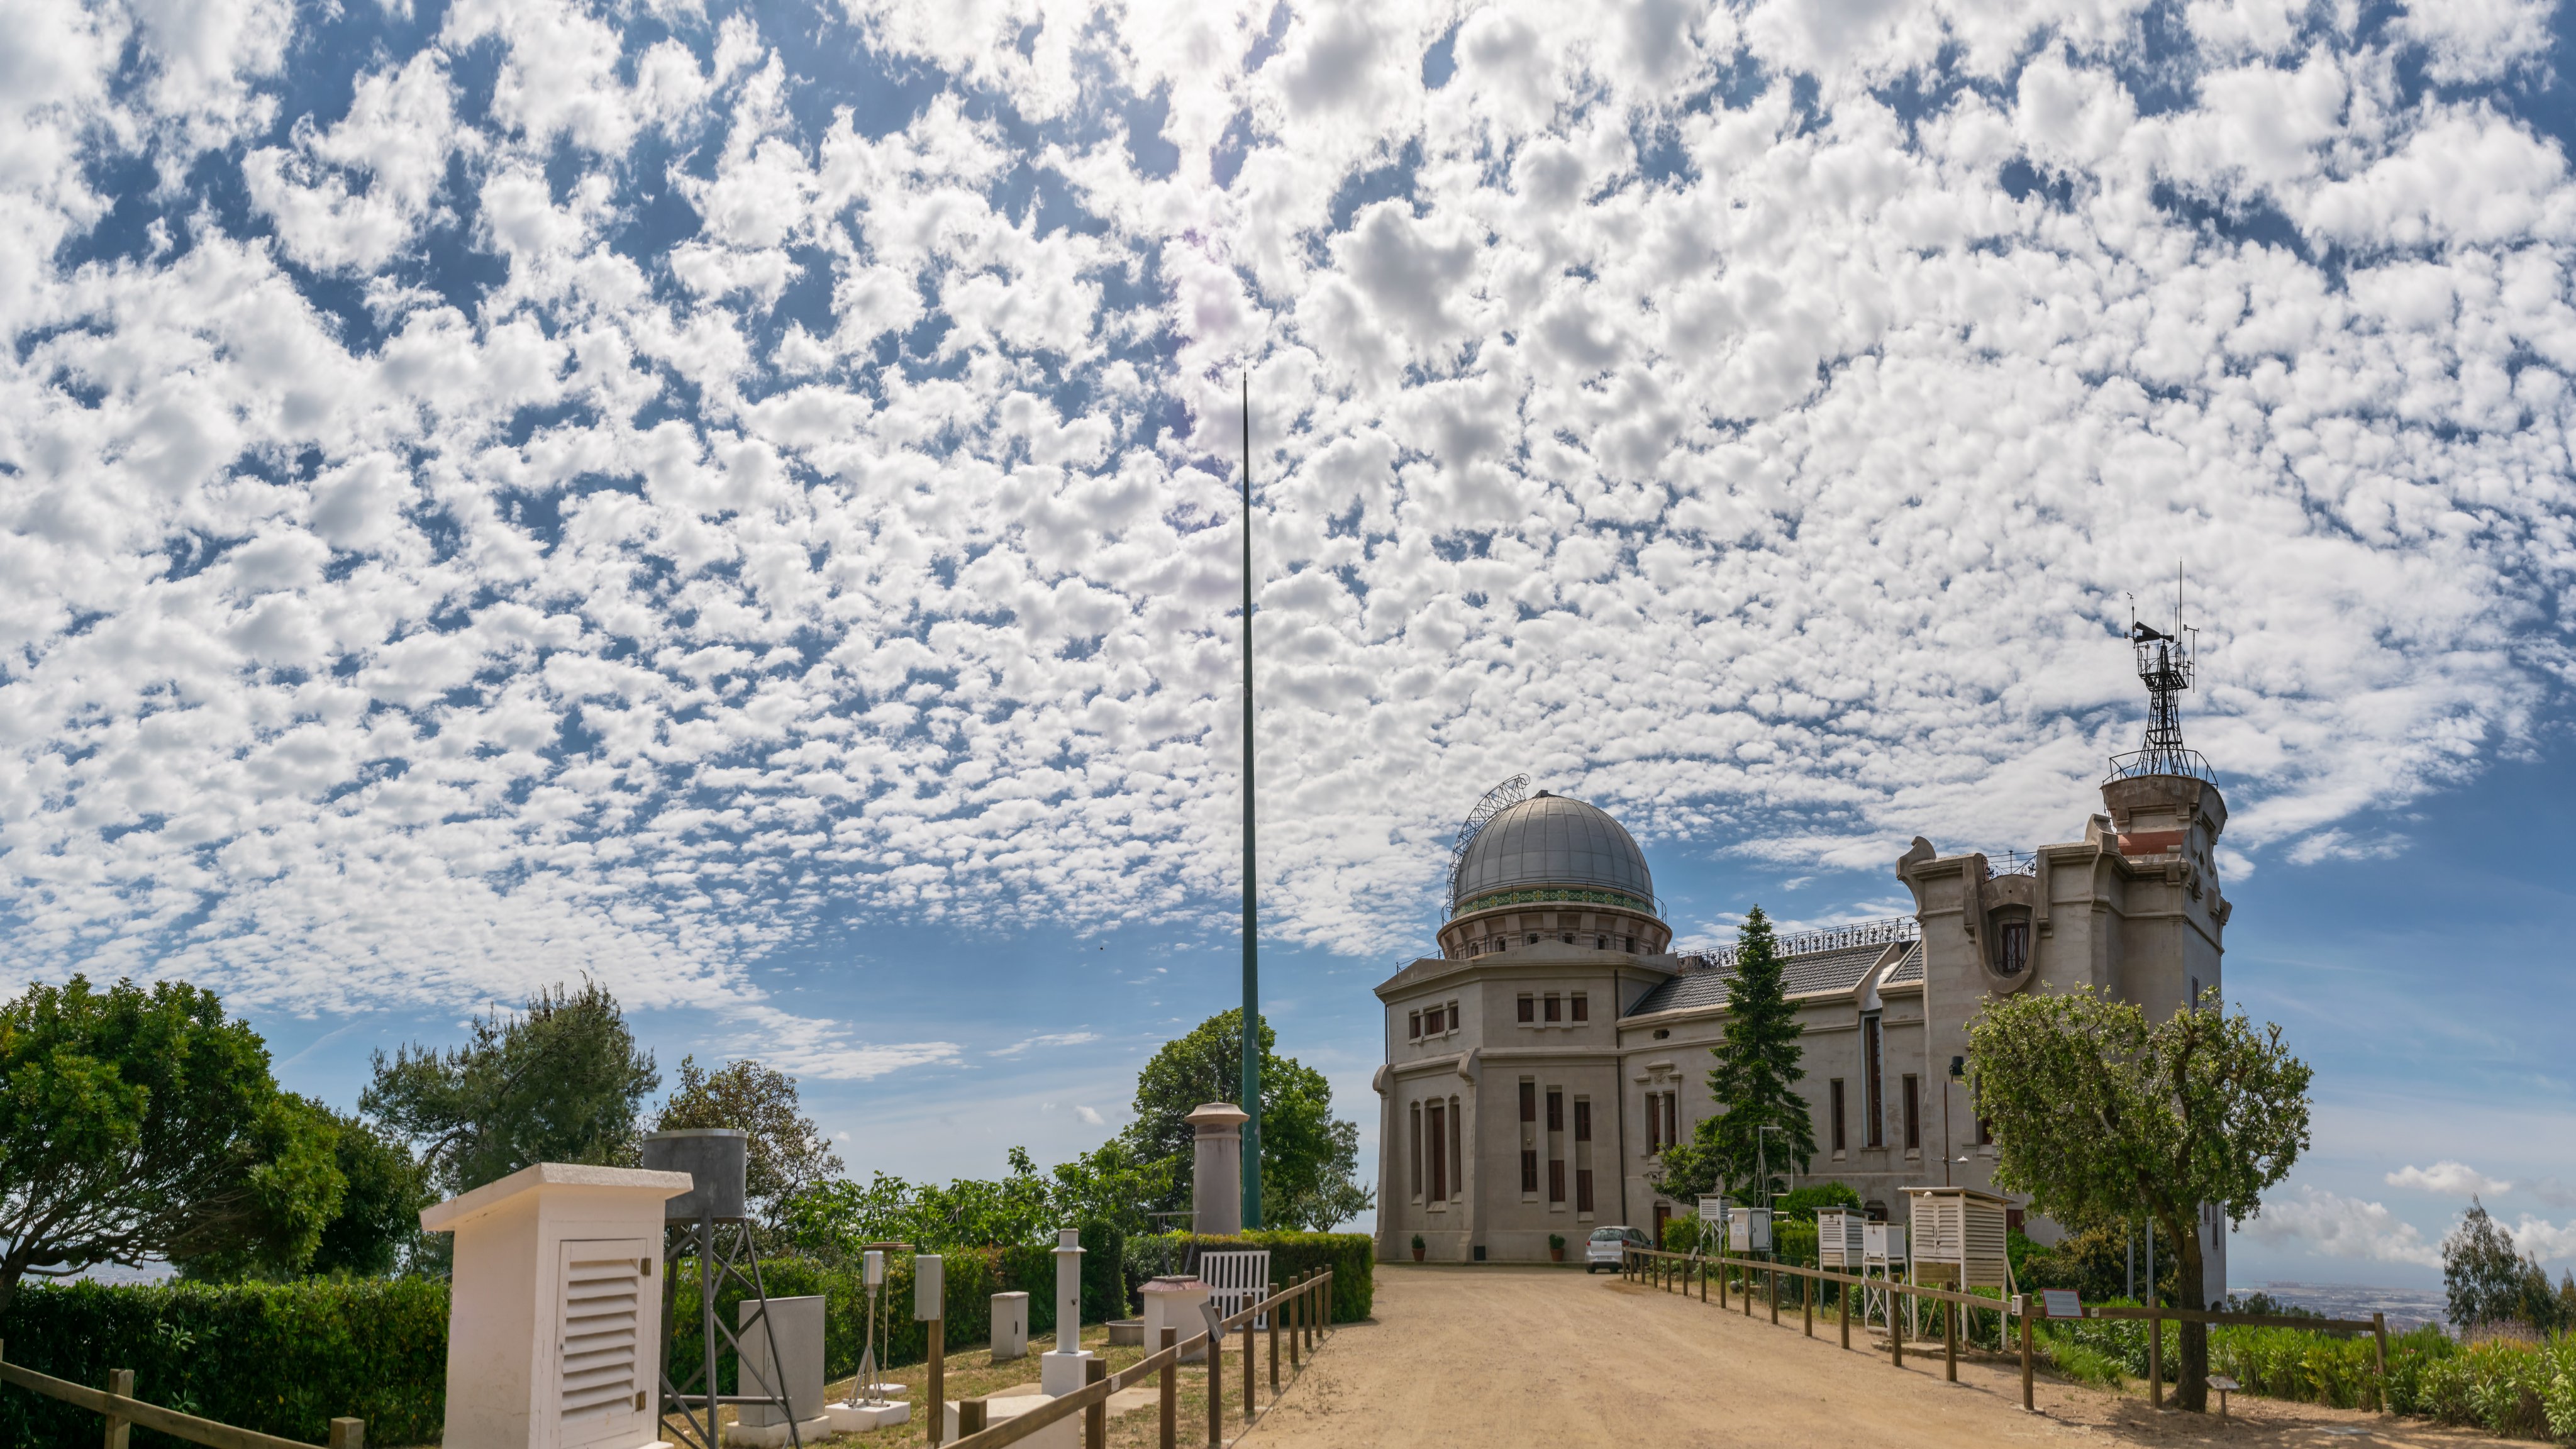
(1514, 1356)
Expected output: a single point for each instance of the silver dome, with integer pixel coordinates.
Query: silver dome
(1550, 840)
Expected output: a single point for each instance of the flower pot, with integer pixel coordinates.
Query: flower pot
(1556, 1255)
(1417, 1255)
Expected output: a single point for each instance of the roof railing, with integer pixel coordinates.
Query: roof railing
(1887, 930)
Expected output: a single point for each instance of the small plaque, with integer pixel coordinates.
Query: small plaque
(2059, 1303)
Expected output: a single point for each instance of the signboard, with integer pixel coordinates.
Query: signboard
(2059, 1303)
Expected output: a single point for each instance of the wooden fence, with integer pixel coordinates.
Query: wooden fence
(117, 1404)
(1672, 1271)
(1303, 1311)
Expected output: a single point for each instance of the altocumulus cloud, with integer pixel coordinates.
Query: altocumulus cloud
(498, 490)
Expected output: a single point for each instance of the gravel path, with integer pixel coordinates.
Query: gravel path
(1511, 1356)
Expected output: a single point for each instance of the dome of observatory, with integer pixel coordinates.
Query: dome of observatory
(1551, 840)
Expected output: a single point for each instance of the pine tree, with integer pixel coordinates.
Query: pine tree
(1754, 1084)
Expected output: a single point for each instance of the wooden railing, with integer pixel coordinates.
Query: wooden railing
(1676, 1270)
(117, 1404)
(1303, 1311)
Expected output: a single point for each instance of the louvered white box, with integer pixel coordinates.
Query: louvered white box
(555, 1312)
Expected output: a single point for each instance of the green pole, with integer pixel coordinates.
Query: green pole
(1251, 1102)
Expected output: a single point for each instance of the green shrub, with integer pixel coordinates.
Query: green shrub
(1682, 1235)
(281, 1358)
(1351, 1256)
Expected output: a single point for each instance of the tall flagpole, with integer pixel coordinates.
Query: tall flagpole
(1251, 1102)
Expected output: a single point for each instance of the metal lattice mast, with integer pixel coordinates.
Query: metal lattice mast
(1251, 1102)
(2165, 668)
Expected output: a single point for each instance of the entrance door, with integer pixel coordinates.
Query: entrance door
(1663, 1215)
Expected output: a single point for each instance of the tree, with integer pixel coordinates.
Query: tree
(786, 1153)
(2100, 1116)
(377, 1219)
(1754, 1084)
(2489, 1284)
(563, 1081)
(139, 1124)
(1309, 1160)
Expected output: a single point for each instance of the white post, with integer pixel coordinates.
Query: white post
(1060, 1372)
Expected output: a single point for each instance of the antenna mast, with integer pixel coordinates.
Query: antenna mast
(2165, 664)
(1251, 1103)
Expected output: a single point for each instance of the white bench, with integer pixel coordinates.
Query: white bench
(1236, 1281)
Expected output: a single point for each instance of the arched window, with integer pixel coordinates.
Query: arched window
(2012, 944)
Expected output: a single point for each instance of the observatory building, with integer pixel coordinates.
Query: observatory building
(1538, 1064)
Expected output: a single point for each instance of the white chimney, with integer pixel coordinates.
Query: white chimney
(554, 1324)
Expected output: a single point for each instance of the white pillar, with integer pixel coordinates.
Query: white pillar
(1216, 1169)
(1060, 1372)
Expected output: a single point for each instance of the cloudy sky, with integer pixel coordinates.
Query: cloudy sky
(739, 503)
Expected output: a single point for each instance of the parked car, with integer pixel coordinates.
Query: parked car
(1608, 1245)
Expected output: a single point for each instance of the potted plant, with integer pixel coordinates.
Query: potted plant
(1556, 1247)
(1417, 1247)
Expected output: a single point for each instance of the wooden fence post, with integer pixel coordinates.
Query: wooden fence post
(1216, 1387)
(2155, 1359)
(1807, 1304)
(1950, 1341)
(1296, 1319)
(1842, 1295)
(938, 1394)
(2025, 1353)
(1095, 1420)
(1171, 1389)
(1895, 1329)
(120, 1382)
(970, 1417)
(1775, 1296)
(1251, 1375)
(2379, 1349)
(348, 1434)
(1273, 1316)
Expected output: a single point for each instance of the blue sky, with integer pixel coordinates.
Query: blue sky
(737, 502)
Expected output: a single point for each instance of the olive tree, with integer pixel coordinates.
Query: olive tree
(2099, 1114)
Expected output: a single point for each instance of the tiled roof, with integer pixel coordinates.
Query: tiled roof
(1813, 974)
(1907, 971)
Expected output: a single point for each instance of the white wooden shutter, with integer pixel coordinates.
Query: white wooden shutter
(606, 1306)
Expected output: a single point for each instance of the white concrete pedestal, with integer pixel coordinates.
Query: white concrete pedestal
(1064, 1433)
(1174, 1302)
(770, 1436)
(858, 1418)
(1060, 1373)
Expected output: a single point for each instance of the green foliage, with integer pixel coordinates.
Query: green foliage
(1351, 1256)
(2098, 1115)
(281, 1358)
(1754, 1085)
(563, 1081)
(380, 1210)
(140, 1123)
(1682, 1235)
(2489, 1284)
(2094, 1262)
(1309, 1159)
(785, 1153)
(835, 1220)
(1802, 1203)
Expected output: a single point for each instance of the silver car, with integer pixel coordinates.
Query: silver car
(1609, 1246)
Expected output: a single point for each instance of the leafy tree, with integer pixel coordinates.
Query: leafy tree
(2099, 1115)
(2489, 1284)
(1754, 1084)
(142, 1123)
(377, 1221)
(786, 1153)
(1309, 1159)
(562, 1081)
(1112, 1185)
(1801, 1203)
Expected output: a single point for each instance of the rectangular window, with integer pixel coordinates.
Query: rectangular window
(1985, 1133)
(1529, 1101)
(1453, 1016)
(1583, 1119)
(1913, 1114)
(1654, 1123)
(1555, 1179)
(1672, 1116)
(1413, 1026)
(1583, 1189)
(2012, 942)
(1873, 1101)
(1529, 1170)
(1582, 1007)
(1417, 1152)
(1529, 1009)
(1457, 1176)
(1552, 1008)
(1436, 1128)
(1555, 1110)
(1834, 1101)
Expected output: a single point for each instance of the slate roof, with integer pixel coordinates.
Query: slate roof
(1817, 973)
(1908, 971)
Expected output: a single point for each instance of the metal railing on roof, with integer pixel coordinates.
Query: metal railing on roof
(1882, 932)
(2187, 763)
(2011, 862)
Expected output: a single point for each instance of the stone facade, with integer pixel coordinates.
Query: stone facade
(1536, 1067)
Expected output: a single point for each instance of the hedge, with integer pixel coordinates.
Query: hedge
(1351, 1256)
(281, 1358)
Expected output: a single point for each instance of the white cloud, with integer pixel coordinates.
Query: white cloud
(859, 533)
(2451, 1179)
(2547, 1241)
(1089, 1116)
(1051, 1039)
(2334, 1226)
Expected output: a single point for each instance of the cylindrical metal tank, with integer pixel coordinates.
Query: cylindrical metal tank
(714, 1159)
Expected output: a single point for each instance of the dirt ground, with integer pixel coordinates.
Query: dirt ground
(1511, 1356)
